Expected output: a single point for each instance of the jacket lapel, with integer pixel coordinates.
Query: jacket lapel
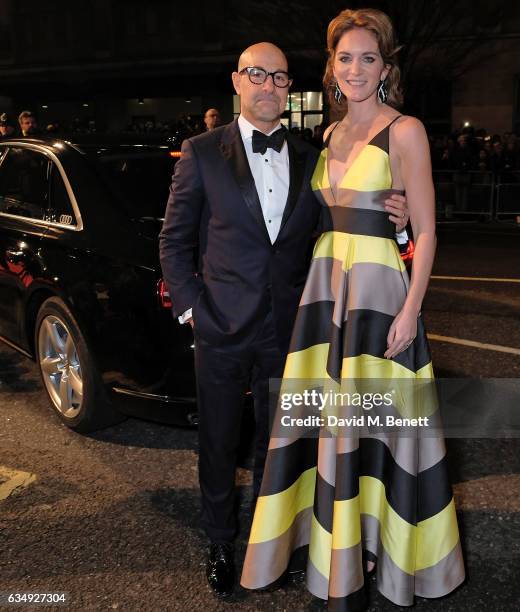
(297, 157)
(233, 150)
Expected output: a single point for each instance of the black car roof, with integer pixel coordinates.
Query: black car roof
(93, 143)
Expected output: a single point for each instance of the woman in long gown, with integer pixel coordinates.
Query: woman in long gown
(349, 502)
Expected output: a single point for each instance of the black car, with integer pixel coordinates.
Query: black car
(80, 283)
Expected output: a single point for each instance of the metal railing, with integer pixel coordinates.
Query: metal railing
(508, 194)
(476, 193)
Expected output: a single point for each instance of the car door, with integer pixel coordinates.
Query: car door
(24, 195)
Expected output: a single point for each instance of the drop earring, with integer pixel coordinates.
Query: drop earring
(338, 94)
(382, 92)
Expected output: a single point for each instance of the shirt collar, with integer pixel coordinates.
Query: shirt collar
(246, 128)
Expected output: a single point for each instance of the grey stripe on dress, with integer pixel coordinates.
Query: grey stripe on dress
(316, 582)
(414, 455)
(443, 577)
(265, 562)
(366, 286)
(370, 200)
(346, 571)
(399, 586)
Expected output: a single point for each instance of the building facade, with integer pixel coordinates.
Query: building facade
(120, 61)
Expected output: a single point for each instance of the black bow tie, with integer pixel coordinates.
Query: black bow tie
(262, 142)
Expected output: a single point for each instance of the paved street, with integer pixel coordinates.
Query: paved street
(112, 518)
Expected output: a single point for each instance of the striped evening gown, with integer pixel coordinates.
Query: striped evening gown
(346, 499)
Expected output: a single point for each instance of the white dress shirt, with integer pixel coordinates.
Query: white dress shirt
(270, 172)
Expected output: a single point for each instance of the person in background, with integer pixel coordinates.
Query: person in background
(7, 128)
(212, 119)
(28, 123)
(317, 135)
(307, 135)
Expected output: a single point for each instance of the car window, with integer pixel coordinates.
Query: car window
(24, 187)
(60, 209)
(141, 183)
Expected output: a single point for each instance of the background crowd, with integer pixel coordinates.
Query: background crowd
(467, 149)
(475, 150)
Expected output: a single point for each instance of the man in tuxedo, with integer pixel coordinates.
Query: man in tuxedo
(240, 198)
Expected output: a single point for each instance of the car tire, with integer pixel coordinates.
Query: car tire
(68, 371)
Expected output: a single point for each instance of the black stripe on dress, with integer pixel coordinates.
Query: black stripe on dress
(364, 332)
(354, 602)
(360, 221)
(413, 498)
(286, 464)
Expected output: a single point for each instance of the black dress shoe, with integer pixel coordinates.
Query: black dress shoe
(298, 564)
(296, 575)
(220, 569)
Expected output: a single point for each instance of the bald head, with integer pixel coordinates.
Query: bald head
(260, 53)
(261, 103)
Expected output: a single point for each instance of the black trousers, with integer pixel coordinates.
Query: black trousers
(223, 377)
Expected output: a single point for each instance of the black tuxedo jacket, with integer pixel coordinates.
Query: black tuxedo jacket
(214, 215)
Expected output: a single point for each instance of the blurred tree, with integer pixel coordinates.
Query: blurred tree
(440, 39)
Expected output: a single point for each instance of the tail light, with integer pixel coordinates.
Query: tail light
(407, 255)
(175, 153)
(163, 295)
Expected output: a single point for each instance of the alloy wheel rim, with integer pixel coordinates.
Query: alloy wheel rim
(60, 366)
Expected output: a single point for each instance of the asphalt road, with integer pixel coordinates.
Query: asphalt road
(112, 518)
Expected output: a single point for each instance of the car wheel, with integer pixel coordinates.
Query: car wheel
(68, 372)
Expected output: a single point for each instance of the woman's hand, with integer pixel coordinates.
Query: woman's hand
(399, 213)
(402, 333)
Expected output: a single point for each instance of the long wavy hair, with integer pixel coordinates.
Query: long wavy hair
(380, 25)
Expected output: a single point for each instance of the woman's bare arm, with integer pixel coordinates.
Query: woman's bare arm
(412, 147)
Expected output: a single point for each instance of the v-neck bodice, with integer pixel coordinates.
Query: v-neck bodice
(366, 183)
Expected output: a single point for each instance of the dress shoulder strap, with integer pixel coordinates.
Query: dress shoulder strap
(327, 140)
(393, 120)
(382, 139)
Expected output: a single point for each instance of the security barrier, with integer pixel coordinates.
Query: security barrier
(463, 193)
(508, 194)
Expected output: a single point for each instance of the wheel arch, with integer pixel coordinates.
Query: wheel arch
(36, 299)
(33, 305)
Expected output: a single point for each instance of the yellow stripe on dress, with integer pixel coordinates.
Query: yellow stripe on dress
(275, 513)
(369, 366)
(369, 172)
(320, 549)
(311, 363)
(346, 526)
(430, 547)
(350, 249)
(410, 547)
(320, 178)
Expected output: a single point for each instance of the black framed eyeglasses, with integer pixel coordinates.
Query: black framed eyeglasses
(258, 76)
